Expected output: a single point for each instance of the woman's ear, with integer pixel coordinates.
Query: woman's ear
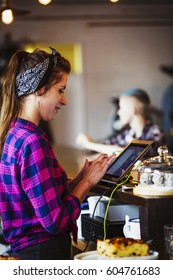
(40, 91)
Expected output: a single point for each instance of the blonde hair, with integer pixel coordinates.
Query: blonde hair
(142, 100)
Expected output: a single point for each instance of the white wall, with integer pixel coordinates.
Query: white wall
(115, 58)
(122, 58)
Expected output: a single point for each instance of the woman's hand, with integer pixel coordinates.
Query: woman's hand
(92, 173)
(95, 170)
(85, 169)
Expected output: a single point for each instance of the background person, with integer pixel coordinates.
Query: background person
(37, 204)
(135, 118)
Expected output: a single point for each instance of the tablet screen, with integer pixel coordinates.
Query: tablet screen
(126, 160)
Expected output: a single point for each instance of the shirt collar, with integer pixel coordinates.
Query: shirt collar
(28, 125)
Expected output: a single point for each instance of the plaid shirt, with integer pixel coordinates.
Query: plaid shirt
(150, 132)
(34, 200)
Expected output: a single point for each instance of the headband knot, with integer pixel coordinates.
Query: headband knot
(35, 78)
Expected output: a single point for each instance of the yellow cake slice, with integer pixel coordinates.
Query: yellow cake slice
(122, 247)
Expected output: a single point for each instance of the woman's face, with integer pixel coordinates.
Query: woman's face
(50, 102)
(126, 109)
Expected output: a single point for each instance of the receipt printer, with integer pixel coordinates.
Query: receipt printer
(117, 210)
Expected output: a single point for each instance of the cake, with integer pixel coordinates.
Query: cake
(154, 183)
(122, 247)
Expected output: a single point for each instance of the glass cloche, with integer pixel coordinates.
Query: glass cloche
(156, 174)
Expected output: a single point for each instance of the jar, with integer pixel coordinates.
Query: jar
(156, 174)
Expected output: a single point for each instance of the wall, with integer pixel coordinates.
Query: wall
(117, 54)
(122, 58)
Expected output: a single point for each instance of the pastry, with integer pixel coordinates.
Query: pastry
(122, 247)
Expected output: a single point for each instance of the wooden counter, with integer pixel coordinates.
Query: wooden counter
(72, 159)
(154, 212)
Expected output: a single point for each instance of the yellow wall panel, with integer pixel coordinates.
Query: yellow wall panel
(72, 52)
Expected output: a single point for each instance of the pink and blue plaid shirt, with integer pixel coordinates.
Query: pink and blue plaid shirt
(34, 200)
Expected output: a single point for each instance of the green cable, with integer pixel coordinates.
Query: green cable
(110, 198)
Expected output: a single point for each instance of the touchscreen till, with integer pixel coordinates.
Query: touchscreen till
(126, 160)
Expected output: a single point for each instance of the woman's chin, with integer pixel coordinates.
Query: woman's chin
(52, 116)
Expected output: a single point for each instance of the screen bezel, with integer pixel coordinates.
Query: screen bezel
(134, 143)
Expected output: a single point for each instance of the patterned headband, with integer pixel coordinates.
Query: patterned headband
(35, 78)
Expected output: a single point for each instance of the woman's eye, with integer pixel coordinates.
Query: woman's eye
(61, 91)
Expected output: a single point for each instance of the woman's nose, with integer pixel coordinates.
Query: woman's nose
(64, 100)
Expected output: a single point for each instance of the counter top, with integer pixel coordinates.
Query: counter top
(72, 159)
(154, 212)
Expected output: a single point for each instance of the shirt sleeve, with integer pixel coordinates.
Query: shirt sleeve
(119, 138)
(46, 185)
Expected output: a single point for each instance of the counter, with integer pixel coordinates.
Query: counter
(154, 212)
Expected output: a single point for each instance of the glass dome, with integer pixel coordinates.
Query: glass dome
(157, 171)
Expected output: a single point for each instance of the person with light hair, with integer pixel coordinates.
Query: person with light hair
(135, 117)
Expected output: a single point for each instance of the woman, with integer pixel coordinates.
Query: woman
(135, 118)
(37, 205)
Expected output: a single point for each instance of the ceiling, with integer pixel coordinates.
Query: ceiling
(150, 12)
(23, 3)
(104, 2)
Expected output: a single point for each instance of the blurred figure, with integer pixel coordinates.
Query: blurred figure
(135, 117)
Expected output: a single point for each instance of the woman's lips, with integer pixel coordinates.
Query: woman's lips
(56, 109)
